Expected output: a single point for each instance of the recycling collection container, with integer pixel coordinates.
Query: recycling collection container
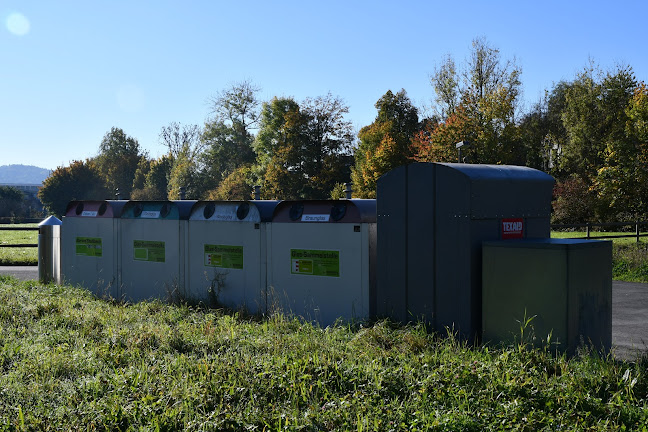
(321, 259)
(152, 242)
(90, 246)
(432, 220)
(548, 289)
(226, 247)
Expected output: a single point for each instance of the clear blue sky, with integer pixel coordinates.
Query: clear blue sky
(71, 70)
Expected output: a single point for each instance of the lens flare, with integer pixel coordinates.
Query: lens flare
(18, 24)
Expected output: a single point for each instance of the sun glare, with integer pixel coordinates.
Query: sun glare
(18, 24)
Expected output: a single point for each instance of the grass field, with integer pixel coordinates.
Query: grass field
(19, 256)
(629, 257)
(70, 361)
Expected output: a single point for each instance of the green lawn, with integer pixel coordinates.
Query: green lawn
(629, 258)
(19, 256)
(70, 361)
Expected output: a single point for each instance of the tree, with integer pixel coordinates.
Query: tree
(489, 91)
(228, 134)
(307, 147)
(156, 180)
(12, 202)
(178, 138)
(236, 186)
(386, 143)
(622, 182)
(79, 181)
(185, 150)
(118, 159)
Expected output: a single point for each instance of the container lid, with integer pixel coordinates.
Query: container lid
(160, 210)
(326, 211)
(548, 243)
(95, 209)
(233, 211)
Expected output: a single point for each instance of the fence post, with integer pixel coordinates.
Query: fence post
(587, 229)
(49, 250)
(637, 230)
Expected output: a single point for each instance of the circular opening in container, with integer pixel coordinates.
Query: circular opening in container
(338, 211)
(296, 211)
(137, 211)
(79, 209)
(242, 211)
(209, 210)
(165, 210)
(102, 208)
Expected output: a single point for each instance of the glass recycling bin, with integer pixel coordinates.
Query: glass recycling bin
(321, 259)
(152, 242)
(90, 246)
(227, 253)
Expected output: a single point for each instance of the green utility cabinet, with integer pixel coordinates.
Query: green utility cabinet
(432, 220)
(321, 259)
(564, 288)
(226, 246)
(90, 246)
(152, 241)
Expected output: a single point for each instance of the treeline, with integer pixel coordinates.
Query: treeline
(591, 133)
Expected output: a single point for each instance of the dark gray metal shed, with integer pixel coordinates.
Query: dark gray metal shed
(431, 221)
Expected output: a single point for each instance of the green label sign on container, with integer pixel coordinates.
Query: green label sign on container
(224, 256)
(315, 262)
(144, 250)
(89, 246)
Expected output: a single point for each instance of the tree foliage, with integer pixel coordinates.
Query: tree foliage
(12, 202)
(386, 143)
(228, 135)
(81, 180)
(304, 150)
(118, 160)
(485, 114)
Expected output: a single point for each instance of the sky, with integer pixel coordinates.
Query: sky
(71, 70)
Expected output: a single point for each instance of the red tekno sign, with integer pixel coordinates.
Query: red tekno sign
(512, 228)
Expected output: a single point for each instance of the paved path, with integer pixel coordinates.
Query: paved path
(629, 312)
(20, 272)
(629, 318)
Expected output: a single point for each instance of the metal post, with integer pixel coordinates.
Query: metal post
(49, 250)
(257, 192)
(183, 193)
(588, 230)
(348, 190)
(637, 230)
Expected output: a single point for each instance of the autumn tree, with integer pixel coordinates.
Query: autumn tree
(386, 143)
(79, 181)
(489, 90)
(118, 159)
(155, 182)
(304, 149)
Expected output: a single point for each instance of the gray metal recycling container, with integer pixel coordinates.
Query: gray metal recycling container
(563, 287)
(153, 239)
(432, 220)
(226, 246)
(90, 246)
(321, 259)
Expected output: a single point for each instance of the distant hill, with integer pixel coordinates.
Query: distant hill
(23, 174)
